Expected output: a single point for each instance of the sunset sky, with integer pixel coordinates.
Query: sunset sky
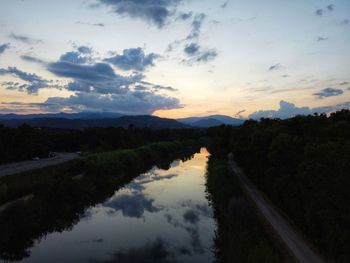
(175, 58)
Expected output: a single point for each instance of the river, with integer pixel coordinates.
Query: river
(160, 216)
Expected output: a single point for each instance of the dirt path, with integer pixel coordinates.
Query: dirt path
(293, 241)
(14, 168)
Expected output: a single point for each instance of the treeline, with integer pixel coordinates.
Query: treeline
(118, 165)
(302, 164)
(26, 142)
(60, 200)
(240, 236)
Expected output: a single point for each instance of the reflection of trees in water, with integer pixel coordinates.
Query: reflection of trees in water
(57, 208)
(157, 251)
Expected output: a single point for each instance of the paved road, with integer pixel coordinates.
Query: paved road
(14, 168)
(293, 241)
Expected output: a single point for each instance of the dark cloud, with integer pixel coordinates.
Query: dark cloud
(155, 177)
(330, 8)
(197, 55)
(81, 55)
(343, 83)
(319, 12)
(132, 205)
(238, 114)
(224, 5)
(275, 67)
(319, 39)
(191, 216)
(328, 92)
(128, 103)
(24, 39)
(191, 49)
(185, 16)
(289, 110)
(344, 22)
(156, 12)
(154, 252)
(84, 49)
(133, 59)
(32, 59)
(91, 24)
(96, 86)
(32, 81)
(196, 26)
(3, 47)
(207, 55)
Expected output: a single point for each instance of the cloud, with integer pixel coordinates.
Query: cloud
(289, 110)
(185, 16)
(133, 59)
(91, 24)
(319, 39)
(224, 5)
(96, 85)
(132, 205)
(82, 55)
(154, 178)
(32, 81)
(196, 26)
(132, 103)
(191, 49)
(343, 83)
(3, 47)
(328, 92)
(207, 55)
(330, 8)
(156, 12)
(319, 12)
(238, 114)
(197, 55)
(156, 251)
(24, 39)
(84, 49)
(275, 67)
(32, 59)
(344, 22)
(191, 216)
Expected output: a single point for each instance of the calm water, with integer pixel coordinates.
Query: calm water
(161, 216)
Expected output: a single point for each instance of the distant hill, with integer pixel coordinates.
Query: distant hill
(62, 115)
(206, 123)
(125, 121)
(212, 120)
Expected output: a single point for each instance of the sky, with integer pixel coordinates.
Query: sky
(175, 58)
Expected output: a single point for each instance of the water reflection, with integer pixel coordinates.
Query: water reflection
(160, 216)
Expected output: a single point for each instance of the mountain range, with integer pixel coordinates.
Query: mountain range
(84, 120)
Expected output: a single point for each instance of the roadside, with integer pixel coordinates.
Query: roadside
(292, 240)
(19, 167)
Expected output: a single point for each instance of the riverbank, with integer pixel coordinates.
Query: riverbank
(60, 201)
(240, 236)
(120, 164)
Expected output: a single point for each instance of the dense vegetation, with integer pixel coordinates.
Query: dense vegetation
(119, 164)
(26, 142)
(302, 164)
(240, 235)
(59, 201)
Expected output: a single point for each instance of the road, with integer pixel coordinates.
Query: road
(14, 168)
(293, 241)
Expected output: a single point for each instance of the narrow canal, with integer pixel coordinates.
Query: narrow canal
(160, 216)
